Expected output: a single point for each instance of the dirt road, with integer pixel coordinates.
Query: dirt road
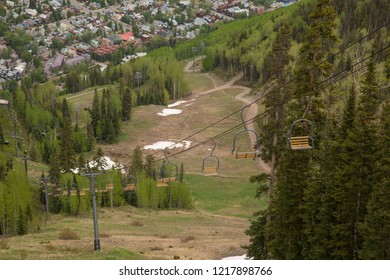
(249, 112)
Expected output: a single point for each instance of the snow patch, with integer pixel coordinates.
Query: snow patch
(108, 164)
(188, 104)
(167, 112)
(161, 145)
(177, 103)
(243, 257)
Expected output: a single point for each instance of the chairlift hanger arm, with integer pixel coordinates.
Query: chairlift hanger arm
(307, 107)
(241, 131)
(242, 117)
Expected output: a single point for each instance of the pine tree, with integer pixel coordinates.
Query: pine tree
(22, 222)
(321, 237)
(67, 150)
(115, 123)
(46, 154)
(95, 115)
(126, 105)
(65, 109)
(297, 197)
(29, 213)
(287, 226)
(149, 167)
(312, 64)
(1, 135)
(257, 249)
(99, 160)
(107, 117)
(54, 168)
(375, 229)
(3, 172)
(181, 173)
(81, 162)
(90, 138)
(272, 130)
(349, 115)
(357, 175)
(136, 164)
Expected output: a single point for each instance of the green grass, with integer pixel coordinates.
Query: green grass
(198, 82)
(224, 196)
(81, 100)
(120, 254)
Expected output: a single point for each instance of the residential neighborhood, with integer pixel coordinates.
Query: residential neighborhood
(69, 32)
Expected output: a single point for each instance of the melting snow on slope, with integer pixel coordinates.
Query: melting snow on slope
(243, 257)
(161, 145)
(177, 103)
(167, 112)
(108, 165)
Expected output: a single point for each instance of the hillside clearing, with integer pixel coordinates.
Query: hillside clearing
(223, 204)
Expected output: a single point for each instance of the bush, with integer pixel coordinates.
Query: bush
(4, 245)
(187, 239)
(68, 234)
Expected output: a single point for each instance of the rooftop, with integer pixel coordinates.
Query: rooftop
(127, 36)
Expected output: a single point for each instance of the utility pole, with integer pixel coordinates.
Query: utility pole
(25, 158)
(91, 177)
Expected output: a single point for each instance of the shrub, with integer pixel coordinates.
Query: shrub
(187, 239)
(4, 245)
(137, 224)
(68, 234)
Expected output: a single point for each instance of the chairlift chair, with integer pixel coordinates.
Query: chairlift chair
(166, 174)
(83, 192)
(301, 132)
(70, 193)
(131, 183)
(246, 154)
(211, 170)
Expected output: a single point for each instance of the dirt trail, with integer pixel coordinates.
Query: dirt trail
(81, 94)
(249, 113)
(190, 68)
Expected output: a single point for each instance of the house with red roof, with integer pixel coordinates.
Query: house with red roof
(127, 37)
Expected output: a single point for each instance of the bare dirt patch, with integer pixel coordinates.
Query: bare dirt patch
(186, 234)
(164, 235)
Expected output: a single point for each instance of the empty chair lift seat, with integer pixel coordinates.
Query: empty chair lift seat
(210, 171)
(300, 143)
(244, 155)
(129, 187)
(168, 179)
(163, 182)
